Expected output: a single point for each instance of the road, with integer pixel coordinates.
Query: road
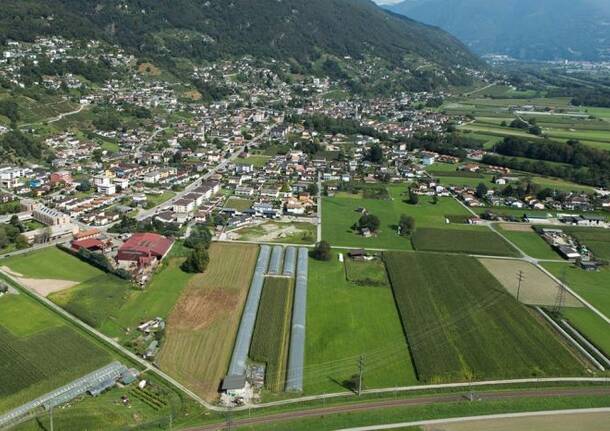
(319, 227)
(423, 400)
(57, 118)
(495, 418)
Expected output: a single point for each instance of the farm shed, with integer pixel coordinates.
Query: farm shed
(237, 366)
(296, 358)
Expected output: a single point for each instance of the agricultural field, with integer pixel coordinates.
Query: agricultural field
(481, 242)
(39, 351)
(340, 213)
(461, 323)
(272, 331)
(524, 237)
(94, 300)
(280, 232)
(201, 327)
(537, 288)
(594, 287)
(346, 320)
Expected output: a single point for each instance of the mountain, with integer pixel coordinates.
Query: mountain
(523, 29)
(211, 29)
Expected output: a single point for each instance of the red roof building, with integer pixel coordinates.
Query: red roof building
(90, 244)
(143, 248)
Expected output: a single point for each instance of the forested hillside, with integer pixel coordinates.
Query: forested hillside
(210, 29)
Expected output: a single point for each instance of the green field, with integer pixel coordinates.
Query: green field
(340, 213)
(153, 200)
(344, 321)
(366, 273)
(238, 204)
(256, 160)
(94, 300)
(530, 242)
(462, 324)
(51, 263)
(39, 351)
(594, 287)
(272, 331)
(479, 242)
(589, 324)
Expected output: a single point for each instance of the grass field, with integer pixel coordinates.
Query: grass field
(593, 327)
(461, 324)
(339, 214)
(367, 273)
(94, 300)
(537, 288)
(258, 161)
(153, 200)
(344, 321)
(51, 263)
(39, 352)
(272, 331)
(594, 287)
(238, 204)
(479, 242)
(202, 326)
(529, 241)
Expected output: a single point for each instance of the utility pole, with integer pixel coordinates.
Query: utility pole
(51, 416)
(360, 373)
(520, 277)
(230, 419)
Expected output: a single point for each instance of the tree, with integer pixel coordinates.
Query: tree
(370, 222)
(200, 237)
(481, 191)
(375, 154)
(21, 242)
(197, 262)
(406, 225)
(322, 251)
(413, 197)
(15, 222)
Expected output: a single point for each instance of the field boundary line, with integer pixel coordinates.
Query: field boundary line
(480, 418)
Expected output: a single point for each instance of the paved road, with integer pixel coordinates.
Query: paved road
(408, 402)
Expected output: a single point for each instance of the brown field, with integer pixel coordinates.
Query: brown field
(537, 288)
(192, 95)
(516, 227)
(561, 422)
(202, 326)
(149, 69)
(43, 287)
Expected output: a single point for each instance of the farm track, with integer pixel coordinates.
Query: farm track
(409, 402)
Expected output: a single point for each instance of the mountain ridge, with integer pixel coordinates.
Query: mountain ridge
(523, 29)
